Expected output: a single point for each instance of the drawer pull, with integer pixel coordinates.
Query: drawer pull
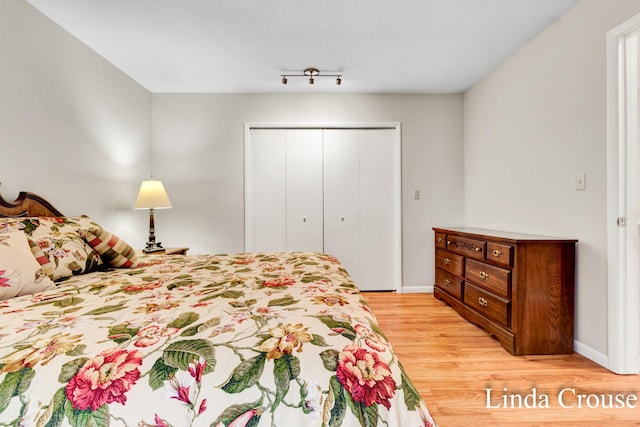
(478, 249)
(483, 302)
(447, 282)
(497, 252)
(447, 261)
(439, 240)
(484, 275)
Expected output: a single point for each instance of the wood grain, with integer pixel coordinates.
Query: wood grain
(452, 363)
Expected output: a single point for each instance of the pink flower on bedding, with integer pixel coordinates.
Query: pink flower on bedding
(367, 378)
(4, 281)
(146, 286)
(182, 387)
(371, 339)
(330, 258)
(244, 260)
(243, 419)
(279, 282)
(150, 335)
(157, 422)
(196, 369)
(241, 317)
(104, 379)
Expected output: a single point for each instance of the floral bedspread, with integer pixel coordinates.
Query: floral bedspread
(272, 339)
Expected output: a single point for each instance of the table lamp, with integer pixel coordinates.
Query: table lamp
(152, 195)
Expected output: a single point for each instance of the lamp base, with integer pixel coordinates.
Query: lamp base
(153, 247)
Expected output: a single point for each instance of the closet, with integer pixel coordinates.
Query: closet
(332, 190)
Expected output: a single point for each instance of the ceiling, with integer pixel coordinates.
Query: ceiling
(380, 46)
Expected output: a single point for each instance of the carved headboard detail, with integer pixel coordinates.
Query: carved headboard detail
(27, 204)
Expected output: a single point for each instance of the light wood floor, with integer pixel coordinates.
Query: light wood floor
(453, 362)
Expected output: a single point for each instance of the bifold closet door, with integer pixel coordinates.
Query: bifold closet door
(362, 205)
(266, 191)
(380, 210)
(283, 190)
(342, 198)
(305, 226)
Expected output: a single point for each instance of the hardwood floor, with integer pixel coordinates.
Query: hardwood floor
(452, 363)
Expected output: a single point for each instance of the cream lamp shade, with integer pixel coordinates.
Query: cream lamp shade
(152, 195)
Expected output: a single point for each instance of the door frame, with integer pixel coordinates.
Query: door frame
(396, 126)
(623, 275)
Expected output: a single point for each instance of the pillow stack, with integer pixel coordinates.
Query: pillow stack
(59, 247)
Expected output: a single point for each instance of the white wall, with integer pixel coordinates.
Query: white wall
(198, 153)
(73, 128)
(530, 127)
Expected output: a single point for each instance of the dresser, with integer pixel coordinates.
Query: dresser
(517, 287)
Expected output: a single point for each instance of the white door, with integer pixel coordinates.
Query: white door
(623, 207)
(342, 198)
(265, 191)
(305, 228)
(362, 205)
(380, 201)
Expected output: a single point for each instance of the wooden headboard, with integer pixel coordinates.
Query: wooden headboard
(27, 204)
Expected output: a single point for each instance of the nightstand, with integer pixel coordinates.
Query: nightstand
(171, 251)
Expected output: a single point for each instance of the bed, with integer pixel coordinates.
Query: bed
(94, 333)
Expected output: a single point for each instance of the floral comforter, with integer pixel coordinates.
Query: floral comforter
(205, 340)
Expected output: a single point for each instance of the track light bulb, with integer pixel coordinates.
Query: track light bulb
(311, 81)
(339, 80)
(284, 80)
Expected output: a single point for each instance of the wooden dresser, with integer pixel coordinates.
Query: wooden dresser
(517, 287)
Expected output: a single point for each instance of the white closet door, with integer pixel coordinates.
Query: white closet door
(304, 190)
(265, 191)
(342, 199)
(380, 198)
(334, 191)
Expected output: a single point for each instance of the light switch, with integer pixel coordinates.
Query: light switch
(416, 194)
(581, 182)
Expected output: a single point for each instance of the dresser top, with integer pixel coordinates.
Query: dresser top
(504, 235)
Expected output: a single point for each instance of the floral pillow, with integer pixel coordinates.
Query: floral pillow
(113, 250)
(20, 273)
(59, 240)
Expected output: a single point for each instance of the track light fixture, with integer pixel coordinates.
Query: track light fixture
(311, 74)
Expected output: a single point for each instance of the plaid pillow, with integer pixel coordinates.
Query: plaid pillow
(114, 251)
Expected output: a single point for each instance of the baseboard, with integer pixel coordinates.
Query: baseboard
(591, 354)
(416, 289)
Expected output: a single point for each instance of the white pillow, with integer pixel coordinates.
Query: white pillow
(20, 273)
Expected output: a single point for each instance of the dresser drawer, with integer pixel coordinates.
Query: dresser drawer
(441, 240)
(452, 263)
(471, 248)
(495, 279)
(500, 253)
(449, 283)
(489, 304)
